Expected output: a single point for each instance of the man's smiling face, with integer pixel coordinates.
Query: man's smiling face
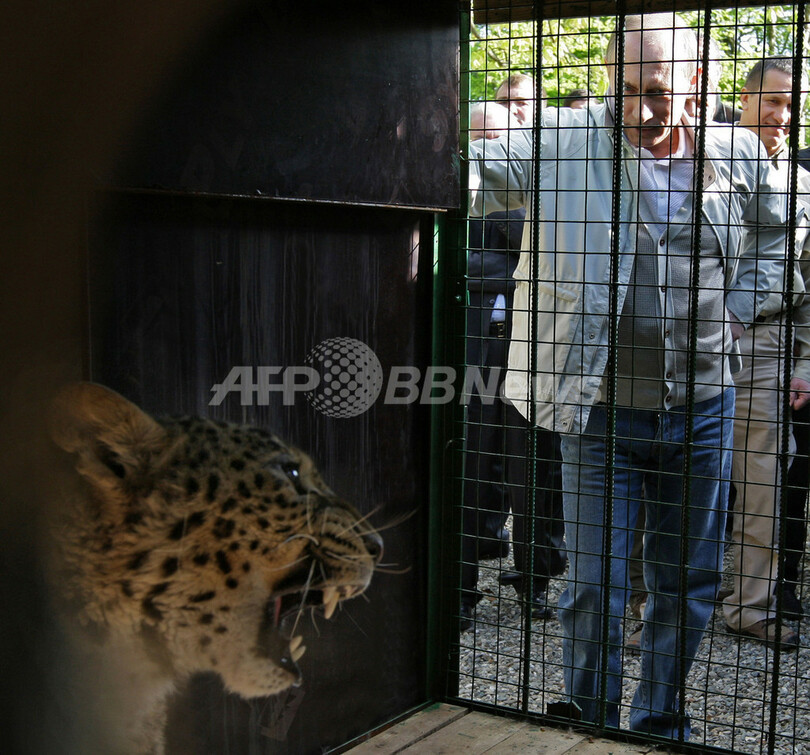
(767, 111)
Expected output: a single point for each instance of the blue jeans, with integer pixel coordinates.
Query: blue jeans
(648, 465)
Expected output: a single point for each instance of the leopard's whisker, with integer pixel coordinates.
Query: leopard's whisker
(304, 593)
(308, 508)
(347, 557)
(391, 570)
(387, 526)
(354, 525)
(302, 536)
(354, 621)
(300, 560)
(397, 521)
(313, 616)
(354, 557)
(370, 514)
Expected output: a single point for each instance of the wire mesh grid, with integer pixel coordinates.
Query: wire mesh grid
(633, 480)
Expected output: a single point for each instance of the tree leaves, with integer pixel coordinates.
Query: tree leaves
(573, 49)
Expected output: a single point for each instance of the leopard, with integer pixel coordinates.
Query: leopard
(188, 544)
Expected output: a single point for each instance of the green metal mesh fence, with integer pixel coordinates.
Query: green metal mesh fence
(628, 472)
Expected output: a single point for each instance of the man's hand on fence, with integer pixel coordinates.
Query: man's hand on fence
(799, 393)
(737, 328)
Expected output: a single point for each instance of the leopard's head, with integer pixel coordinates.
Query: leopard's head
(205, 540)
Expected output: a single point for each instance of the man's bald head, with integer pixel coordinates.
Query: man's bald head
(677, 41)
(490, 120)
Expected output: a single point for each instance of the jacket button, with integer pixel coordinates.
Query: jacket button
(661, 242)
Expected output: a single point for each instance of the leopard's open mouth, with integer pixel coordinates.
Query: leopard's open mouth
(296, 593)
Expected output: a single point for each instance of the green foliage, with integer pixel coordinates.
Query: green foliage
(572, 49)
(496, 51)
(745, 35)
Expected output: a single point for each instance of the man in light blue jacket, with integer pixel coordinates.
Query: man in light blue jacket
(642, 264)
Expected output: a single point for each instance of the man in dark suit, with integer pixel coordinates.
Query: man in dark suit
(495, 476)
(796, 498)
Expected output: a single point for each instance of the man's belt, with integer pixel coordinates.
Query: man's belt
(497, 329)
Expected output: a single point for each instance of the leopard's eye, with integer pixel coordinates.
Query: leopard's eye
(291, 470)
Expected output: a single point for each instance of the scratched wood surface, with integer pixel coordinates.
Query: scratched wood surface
(444, 729)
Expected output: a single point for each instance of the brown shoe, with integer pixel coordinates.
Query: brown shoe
(765, 631)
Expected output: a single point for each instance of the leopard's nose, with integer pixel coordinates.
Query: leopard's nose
(374, 545)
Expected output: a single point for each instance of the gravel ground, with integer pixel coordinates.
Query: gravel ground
(730, 685)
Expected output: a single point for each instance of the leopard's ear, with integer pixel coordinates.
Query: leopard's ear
(113, 438)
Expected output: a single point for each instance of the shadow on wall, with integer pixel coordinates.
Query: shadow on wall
(73, 79)
(76, 80)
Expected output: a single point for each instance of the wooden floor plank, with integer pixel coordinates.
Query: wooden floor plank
(411, 730)
(443, 729)
(540, 740)
(609, 747)
(473, 734)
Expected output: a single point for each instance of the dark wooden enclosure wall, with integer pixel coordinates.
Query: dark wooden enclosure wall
(282, 192)
(341, 101)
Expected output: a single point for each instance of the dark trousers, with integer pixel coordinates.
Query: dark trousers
(796, 498)
(486, 504)
(484, 491)
(538, 527)
(495, 478)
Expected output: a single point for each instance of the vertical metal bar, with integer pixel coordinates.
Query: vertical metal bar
(691, 371)
(440, 582)
(530, 509)
(611, 370)
(786, 430)
(447, 457)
